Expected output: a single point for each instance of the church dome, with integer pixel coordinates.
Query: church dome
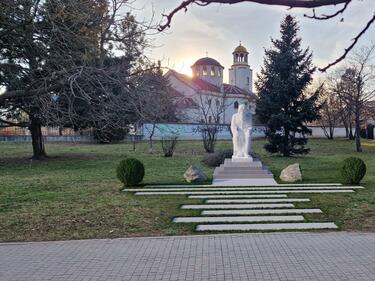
(240, 49)
(207, 61)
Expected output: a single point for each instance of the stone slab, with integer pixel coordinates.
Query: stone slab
(237, 196)
(244, 182)
(231, 201)
(194, 189)
(266, 226)
(210, 185)
(237, 219)
(260, 212)
(236, 206)
(242, 192)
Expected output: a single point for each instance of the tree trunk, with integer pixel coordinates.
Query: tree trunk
(133, 137)
(358, 131)
(286, 148)
(35, 128)
(351, 135)
(151, 148)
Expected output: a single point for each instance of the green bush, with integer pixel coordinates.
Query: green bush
(353, 170)
(130, 171)
(216, 158)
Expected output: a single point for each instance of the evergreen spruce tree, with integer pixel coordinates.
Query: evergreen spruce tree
(283, 105)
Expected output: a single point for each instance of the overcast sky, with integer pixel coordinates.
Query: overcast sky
(217, 29)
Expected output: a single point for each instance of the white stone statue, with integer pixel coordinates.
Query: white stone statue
(241, 126)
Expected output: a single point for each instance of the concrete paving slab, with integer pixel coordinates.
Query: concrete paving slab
(237, 206)
(196, 189)
(239, 196)
(237, 219)
(260, 212)
(266, 226)
(241, 192)
(231, 201)
(210, 185)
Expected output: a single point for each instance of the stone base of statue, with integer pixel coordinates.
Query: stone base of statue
(242, 171)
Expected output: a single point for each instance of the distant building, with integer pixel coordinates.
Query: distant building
(207, 82)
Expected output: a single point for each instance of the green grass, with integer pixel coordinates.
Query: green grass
(75, 193)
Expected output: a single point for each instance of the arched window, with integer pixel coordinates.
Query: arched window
(212, 71)
(209, 119)
(236, 105)
(217, 103)
(204, 70)
(248, 81)
(219, 72)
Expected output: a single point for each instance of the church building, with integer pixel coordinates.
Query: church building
(205, 97)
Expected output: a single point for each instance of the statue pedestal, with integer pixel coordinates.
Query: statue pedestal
(242, 171)
(242, 159)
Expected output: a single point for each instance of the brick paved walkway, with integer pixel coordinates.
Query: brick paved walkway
(272, 256)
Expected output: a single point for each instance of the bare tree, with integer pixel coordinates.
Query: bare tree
(210, 114)
(358, 85)
(58, 65)
(153, 100)
(308, 4)
(330, 111)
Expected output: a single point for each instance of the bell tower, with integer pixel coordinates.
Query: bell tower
(240, 73)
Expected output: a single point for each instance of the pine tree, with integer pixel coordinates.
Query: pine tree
(283, 105)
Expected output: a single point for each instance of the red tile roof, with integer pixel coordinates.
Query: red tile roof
(201, 85)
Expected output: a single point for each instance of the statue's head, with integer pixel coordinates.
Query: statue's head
(241, 108)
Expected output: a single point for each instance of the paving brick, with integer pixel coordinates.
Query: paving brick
(328, 256)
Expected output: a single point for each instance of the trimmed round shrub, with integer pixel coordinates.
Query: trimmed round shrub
(216, 158)
(130, 171)
(353, 170)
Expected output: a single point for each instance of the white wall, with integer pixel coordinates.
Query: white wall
(190, 132)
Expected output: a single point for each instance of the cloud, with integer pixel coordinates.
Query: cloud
(218, 29)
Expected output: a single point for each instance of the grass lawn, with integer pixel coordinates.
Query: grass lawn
(75, 194)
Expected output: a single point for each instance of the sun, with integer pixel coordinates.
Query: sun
(183, 66)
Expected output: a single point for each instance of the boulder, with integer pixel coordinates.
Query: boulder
(292, 173)
(193, 174)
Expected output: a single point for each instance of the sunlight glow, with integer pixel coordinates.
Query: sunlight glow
(183, 66)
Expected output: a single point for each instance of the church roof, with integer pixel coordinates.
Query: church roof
(240, 49)
(207, 61)
(201, 85)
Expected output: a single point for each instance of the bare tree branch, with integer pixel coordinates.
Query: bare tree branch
(326, 17)
(287, 3)
(348, 49)
(308, 4)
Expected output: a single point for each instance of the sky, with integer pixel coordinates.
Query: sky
(218, 28)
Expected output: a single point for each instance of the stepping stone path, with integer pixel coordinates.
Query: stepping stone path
(238, 219)
(237, 206)
(255, 208)
(261, 212)
(231, 201)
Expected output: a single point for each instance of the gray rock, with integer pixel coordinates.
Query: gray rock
(292, 173)
(193, 174)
